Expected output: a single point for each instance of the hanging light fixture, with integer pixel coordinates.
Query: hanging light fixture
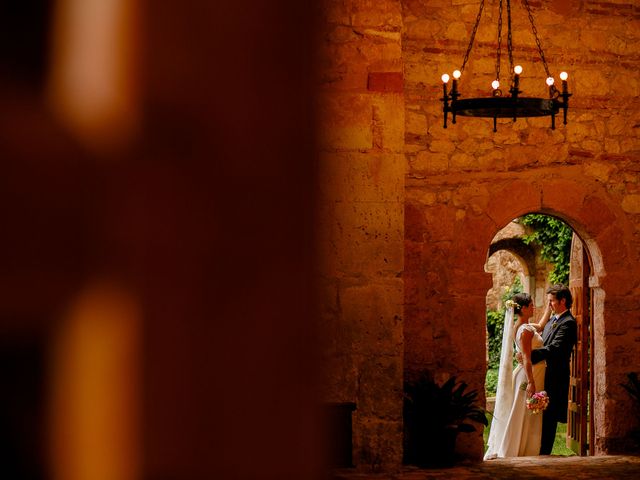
(498, 105)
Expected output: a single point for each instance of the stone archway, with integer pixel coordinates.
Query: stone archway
(602, 227)
(445, 283)
(579, 425)
(509, 241)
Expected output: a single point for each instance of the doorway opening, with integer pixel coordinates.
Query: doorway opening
(530, 254)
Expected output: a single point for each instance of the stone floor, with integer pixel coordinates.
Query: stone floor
(521, 468)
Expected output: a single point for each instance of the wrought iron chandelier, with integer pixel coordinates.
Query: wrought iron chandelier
(512, 105)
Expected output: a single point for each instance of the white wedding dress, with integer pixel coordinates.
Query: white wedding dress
(515, 431)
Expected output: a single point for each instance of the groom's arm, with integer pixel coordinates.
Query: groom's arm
(561, 345)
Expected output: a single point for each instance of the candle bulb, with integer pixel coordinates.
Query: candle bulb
(445, 80)
(565, 95)
(563, 77)
(550, 81)
(516, 81)
(454, 84)
(445, 97)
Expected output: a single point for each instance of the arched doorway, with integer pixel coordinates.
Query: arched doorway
(446, 285)
(584, 285)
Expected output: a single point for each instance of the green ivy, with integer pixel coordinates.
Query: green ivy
(554, 238)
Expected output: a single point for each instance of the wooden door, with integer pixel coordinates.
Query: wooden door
(578, 419)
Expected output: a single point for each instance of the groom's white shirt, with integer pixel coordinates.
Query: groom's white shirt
(558, 315)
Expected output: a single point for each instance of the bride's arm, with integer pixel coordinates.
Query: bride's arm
(525, 339)
(545, 318)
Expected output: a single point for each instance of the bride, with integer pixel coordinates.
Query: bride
(514, 431)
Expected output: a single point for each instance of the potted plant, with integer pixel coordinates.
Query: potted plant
(434, 415)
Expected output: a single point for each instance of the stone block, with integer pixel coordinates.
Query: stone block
(388, 118)
(420, 197)
(507, 135)
(478, 128)
(380, 54)
(504, 206)
(476, 247)
(630, 145)
(442, 146)
(423, 29)
(380, 387)
(612, 145)
(412, 286)
(377, 444)
(617, 125)
(463, 162)
(361, 177)
(476, 196)
(430, 163)
(615, 243)
(346, 121)
(468, 277)
(456, 31)
(415, 121)
(340, 377)
(519, 156)
(384, 13)
(579, 131)
(601, 171)
(374, 313)
(593, 146)
(631, 203)
(593, 80)
(553, 154)
(492, 160)
(475, 146)
(415, 223)
(562, 195)
(440, 223)
(362, 239)
(385, 82)
(465, 2)
(598, 212)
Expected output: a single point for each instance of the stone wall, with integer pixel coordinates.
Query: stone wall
(361, 230)
(465, 183)
(395, 184)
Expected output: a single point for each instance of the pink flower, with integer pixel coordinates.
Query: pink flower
(538, 402)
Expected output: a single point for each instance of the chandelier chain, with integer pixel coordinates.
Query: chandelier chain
(535, 34)
(499, 50)
(498, 105)
(473, 36)
(509, 40)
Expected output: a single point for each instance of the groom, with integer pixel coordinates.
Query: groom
(560, 335)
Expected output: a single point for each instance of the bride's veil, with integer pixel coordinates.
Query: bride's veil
(504, 392)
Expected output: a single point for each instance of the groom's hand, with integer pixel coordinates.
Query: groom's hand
(519, 357)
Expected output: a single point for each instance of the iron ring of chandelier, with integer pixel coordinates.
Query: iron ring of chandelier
(511, 106)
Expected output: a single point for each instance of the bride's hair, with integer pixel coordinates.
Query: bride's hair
(523, 300)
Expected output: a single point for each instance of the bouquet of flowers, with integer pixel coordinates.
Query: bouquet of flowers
(538, 402)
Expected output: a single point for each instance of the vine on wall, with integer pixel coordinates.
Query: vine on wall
(554, 238)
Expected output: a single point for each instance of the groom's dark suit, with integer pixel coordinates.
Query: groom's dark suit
(559, 335)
